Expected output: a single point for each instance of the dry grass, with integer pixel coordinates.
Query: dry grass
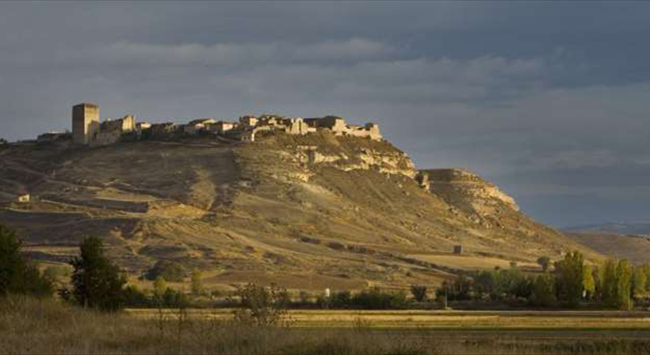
(46, 327)
(447, 320)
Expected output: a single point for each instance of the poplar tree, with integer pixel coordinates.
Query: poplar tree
(570, 278)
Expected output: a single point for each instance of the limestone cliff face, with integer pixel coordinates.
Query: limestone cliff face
(393, 163)
(462, 188)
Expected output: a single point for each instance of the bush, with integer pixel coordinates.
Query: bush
(376, 299)
(173, 299)
(261, 306)
(419, 292)
(544, 262)
(341, 300)
(197, 286)
(134, 297)
(170, 270)
(97, 282)
(336, 246)
(17, 274)
(55, 274)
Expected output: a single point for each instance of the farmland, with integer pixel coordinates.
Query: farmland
(30, 326)
(441, 320)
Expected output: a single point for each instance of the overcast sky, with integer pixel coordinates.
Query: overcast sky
(550, 100)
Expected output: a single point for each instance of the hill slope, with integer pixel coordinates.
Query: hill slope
(305, 212)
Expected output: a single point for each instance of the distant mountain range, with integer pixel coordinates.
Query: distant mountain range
(635, 228)
(616, 240)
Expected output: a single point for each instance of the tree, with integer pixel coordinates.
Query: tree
(544, 291)
(419, 292)
(646, 271)
(616, 286)
(608, 284)
(569, 278)
(485, 283)
(17, 274)
(197, 287)
(172, 271)
(544, 262)
(261, 306)
(624, 275)
(55, 274)
(97, 282)
(159, 287)
(589, 284)
(639, 282)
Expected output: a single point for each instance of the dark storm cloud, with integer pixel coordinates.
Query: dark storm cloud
(547, 99)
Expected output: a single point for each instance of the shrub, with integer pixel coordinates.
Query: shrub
(159, 287)
(376, 299)
(17, 274)
(173, 299)
(261, 306)
(55, 274)
(419, 292)
(544, 262)
(170, 270)
(342, 299)
(134, 297)
(97, 282)
(336, 246)
(310, 240)
(457, 290)
(197, 287)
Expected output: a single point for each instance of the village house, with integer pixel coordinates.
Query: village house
(87, 129)
(221, 127)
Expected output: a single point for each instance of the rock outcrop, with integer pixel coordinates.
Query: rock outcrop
(456, 185)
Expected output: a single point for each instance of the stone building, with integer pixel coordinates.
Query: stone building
(248, 121)
(53, 137)
(222, 127)
(85, 122)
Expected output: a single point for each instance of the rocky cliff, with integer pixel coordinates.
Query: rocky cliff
(305, 212)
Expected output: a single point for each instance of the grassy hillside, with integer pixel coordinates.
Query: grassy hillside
(635, 248)
(305, 212)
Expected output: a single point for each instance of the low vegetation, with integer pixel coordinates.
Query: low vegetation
(17, 274)
(31, 326)
(572, 283)
(31, 321)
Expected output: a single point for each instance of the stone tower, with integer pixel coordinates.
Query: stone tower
(85, 122)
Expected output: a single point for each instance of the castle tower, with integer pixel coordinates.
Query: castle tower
(85, 122)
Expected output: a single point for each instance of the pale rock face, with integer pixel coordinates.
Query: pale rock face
(393, 163)
(463, 184)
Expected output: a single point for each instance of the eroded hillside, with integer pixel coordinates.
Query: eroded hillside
(305, 212)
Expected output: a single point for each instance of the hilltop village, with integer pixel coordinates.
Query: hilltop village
(88, 130)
